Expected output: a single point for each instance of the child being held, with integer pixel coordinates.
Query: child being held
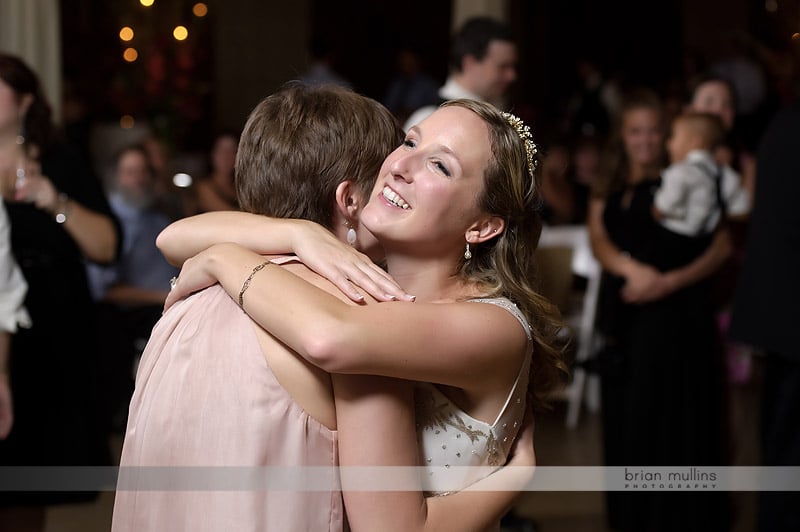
(696, 193)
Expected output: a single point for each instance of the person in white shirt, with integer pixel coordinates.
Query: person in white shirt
(483, 63)
(12, 314)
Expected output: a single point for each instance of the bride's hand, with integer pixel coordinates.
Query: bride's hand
(344, 266)
(194, 276)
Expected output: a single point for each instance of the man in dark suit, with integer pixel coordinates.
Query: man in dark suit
(766, 307)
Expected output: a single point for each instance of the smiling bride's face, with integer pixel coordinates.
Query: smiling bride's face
(427, 190)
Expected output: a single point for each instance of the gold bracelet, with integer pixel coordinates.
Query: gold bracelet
(246, 283)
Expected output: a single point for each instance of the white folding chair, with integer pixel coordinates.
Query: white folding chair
(578, 315)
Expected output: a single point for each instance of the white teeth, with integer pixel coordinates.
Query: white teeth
(395, 198)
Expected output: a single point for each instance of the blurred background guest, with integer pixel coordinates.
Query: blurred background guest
(173, 201)
(59, 217)
(140, 277)
(594, 102)
(483, 64)
(656, 383)
(410, 88)
(216, 191)
(322, 68)
(131, 291)
(764, 310)
(584, 172)
(558, 199)
(12, 315)
(716, 95)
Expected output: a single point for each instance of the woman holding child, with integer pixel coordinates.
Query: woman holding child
(663, 396)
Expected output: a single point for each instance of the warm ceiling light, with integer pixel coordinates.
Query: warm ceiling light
(130, 55)
(126, 34)
(146, 3)
(180, 33)
(200, 9)
(126, 122)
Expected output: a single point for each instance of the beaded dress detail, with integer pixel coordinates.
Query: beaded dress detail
(467, 448)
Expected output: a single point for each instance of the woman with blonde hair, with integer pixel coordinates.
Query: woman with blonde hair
(663, 399)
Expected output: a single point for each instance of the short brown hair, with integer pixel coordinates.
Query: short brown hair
(299, 143)
(708, 127)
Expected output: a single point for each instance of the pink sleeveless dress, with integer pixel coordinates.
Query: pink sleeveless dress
(205, 396)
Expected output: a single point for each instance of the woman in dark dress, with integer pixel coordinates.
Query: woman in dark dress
(59, 217)
(663, 394)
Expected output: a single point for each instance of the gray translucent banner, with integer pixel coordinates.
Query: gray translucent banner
(278, 478)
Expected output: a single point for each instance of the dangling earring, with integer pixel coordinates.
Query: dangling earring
(467, 253)
(20, 140)
(351, 233)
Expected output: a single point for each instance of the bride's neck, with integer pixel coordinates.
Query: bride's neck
(430, 280)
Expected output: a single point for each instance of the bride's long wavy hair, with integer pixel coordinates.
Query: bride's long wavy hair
(505, 265)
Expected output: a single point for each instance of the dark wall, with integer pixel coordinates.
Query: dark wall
(366, 35)
(639, 41)
(247, 48)
(259, 46)
(170, 84)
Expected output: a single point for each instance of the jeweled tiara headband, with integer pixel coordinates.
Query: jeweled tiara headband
(524, 133)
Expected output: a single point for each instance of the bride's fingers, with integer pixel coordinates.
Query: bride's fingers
(378, 283)
(343, 283)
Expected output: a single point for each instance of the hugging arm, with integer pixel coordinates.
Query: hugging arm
(645, 283)
(314, 245)
(189, 236)
(476, 346)
(703, 266)
(671, 281)
(613, 259)
(376, 426)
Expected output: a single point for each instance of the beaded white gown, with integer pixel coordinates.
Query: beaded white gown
(457, 449)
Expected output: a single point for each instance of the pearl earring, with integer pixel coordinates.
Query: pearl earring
(351, 233)
(467, 253)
